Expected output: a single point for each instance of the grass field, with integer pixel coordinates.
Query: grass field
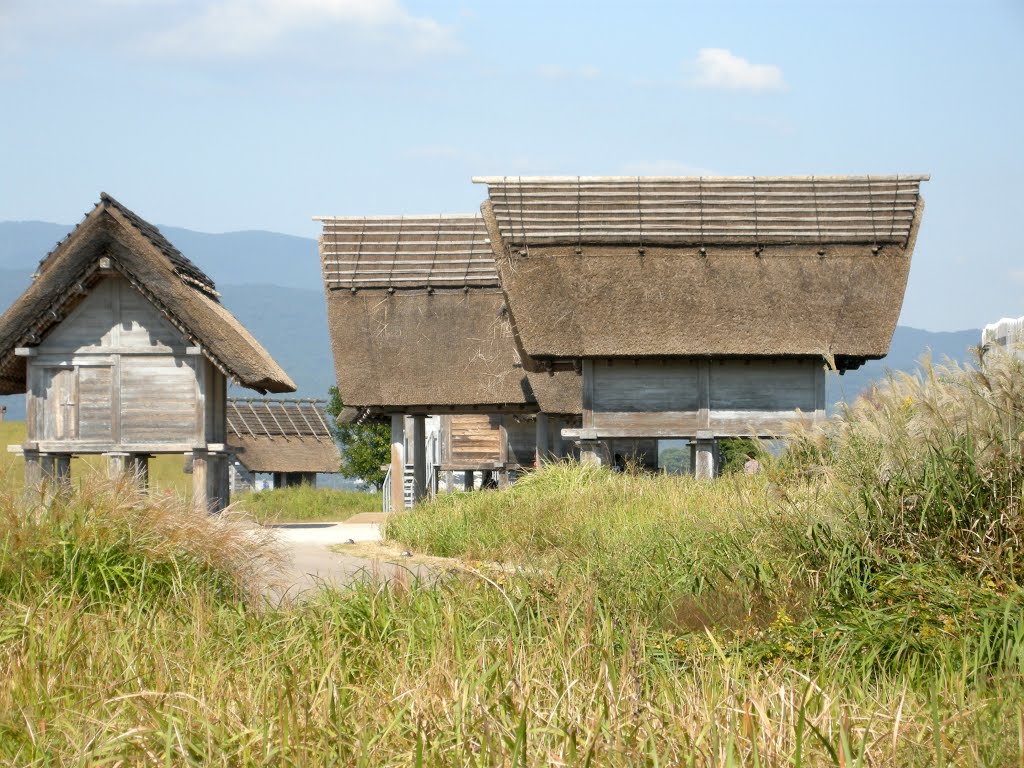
(304, 504)
(859, 603)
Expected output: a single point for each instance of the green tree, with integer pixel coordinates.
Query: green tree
(735, 451)
(365, 448)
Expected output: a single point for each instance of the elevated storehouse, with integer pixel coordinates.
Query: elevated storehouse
(419, 326)
(123, 349)
(290, 439)
(702, 308)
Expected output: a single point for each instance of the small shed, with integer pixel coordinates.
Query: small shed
(290, 439)
(701, 308)
(419, 326)
(123, 349)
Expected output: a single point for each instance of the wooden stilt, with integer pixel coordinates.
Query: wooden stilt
(33, 469)
(397, 462)
(468, 480)
(704, 464)
(419, 457)
(542, 452)
(138, 465)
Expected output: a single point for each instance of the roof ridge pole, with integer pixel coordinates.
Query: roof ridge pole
(394, 258)
(757, 234)
(469, 260)
(579, 223)
(259, 420)
(359, 256)
(871, 208)
(895, 201)
(817, 215)
(700, 199)
(522, 224)
(640, 215)
(437, 244)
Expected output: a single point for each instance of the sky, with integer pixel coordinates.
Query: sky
(224, 115)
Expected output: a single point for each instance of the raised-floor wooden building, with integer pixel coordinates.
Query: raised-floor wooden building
(290, 439)
(123, 349)
(419, 327)
(701, 308)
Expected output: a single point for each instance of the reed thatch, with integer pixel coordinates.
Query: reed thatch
(282, 435)
(663, 267)
(418, 320)
(176, 286)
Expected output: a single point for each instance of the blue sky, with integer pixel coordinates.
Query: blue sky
(221, 115)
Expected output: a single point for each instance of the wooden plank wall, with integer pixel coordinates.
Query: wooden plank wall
(115, 375)
(677, 398)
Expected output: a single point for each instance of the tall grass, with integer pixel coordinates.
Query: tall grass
(630, 620)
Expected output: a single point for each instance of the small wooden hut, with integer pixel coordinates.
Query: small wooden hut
(701, 308)
(419, 326)
(290, 439)
(123, 349)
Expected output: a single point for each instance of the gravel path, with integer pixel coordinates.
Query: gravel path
(314, 564)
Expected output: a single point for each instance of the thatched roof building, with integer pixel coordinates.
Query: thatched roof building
(418, 321)
(282, 436)
(659, 267)
(113, 238)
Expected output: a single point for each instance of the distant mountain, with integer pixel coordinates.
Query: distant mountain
(231, 258)
(271, 282)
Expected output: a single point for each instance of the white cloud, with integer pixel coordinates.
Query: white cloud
(721, 68)
(238, 28)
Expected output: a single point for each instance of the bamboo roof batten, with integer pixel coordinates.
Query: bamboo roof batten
(278, 418)
(440, 251)
(695, 211)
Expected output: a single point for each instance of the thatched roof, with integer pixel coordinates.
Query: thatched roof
(418, 320)
(282, 435)
(658, 267)
(176, 286)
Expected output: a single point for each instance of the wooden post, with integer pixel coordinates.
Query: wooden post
(210, 489)
(200, 480)
(397, 462)
(468, 480)
(46, 467)
(33, 469)
(590, 452)
(543, 453)
(138, 465)
(704, 466)
(62, 469)
(419, 457)
(117, 464)
(559, 442)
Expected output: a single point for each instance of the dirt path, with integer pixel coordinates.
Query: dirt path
(338, 555)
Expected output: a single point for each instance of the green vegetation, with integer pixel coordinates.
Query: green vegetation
(365, 448)
(307, 504)
(857, 603)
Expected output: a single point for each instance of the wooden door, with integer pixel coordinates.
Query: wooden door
(56, 406)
